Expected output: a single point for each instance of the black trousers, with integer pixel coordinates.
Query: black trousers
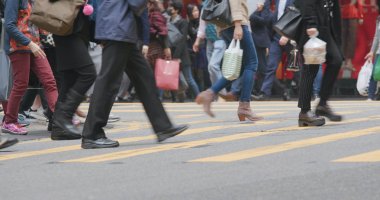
(118, 57)
(334, 61)
(79, 79)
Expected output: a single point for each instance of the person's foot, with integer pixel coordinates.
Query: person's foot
(310, 119)
(229, 96)
(286, 95)
(171, 132)
(260, 97)
(5, 142)
(22, 121)
(57, 133)
(13, 128)
(99, 143)
(327, 112)
(113, 118)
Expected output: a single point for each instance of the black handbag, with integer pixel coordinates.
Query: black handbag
(289, 23)
(217, 12)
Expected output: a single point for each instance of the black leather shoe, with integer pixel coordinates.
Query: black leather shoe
(171, 132)
(57, 133)
(327, 112)
(310, 119)
(260, 97)
(99, 143)
(5, 142)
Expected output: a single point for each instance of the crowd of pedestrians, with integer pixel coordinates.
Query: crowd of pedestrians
(129, 41)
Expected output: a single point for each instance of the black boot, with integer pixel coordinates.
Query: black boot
(58, 133)
(64, 112)
(49, 116)
(310, 119)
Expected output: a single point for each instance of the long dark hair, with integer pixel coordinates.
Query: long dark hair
(190, 8)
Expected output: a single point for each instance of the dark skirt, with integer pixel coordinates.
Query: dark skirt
(71, 52)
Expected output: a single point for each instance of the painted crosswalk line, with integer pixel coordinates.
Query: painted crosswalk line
(373, 156)
(128, 139)
(267, 150)
(166, 147)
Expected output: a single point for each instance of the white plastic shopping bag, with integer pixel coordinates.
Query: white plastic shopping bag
(314, 51)
(232, 61)
(364, 77)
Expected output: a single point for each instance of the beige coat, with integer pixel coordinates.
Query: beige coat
(239, 12)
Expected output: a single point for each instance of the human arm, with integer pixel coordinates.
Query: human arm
(375, 43)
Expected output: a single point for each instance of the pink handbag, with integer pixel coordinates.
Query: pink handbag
(167, 74)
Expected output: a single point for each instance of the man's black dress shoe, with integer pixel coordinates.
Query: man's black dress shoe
(327, 112)
(58, 133)
(310, 119)
(5, 142)
(99, 143)
(171, 132)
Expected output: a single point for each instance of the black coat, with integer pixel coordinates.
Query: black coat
(315, 15)
(259, 23)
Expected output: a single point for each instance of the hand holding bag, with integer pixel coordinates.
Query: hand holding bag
(289, 23)
(232, 61)
(5, 70)
(314, 51)
(55, 16)
(217, 12)
(364, 77)
(167, 74)
(376, 72)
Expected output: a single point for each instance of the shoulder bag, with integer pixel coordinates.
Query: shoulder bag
(217, 12)
(289, 23)
(56, 17)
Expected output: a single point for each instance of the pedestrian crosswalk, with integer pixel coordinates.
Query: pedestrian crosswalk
(361, 120)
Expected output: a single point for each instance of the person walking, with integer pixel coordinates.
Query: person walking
(322, 18)
(239, 30)
(77, 72)
(117, 29)
(279, 45)
(23, 46)
(260, 21)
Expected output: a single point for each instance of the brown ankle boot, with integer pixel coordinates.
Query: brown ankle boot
(205, 98)
(244, 111)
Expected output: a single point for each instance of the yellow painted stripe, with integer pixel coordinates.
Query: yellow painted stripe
(373, 156)
(261, 151)
(125, 140)
(184, 145)
(167, 147)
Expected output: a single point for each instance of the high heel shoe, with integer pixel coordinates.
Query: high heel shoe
(244, 112)
(205, 98)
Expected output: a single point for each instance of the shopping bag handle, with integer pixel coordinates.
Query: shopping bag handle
(235, 44)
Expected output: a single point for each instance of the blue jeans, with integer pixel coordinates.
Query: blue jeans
(317, 82)
(186, 70)
(249, 66)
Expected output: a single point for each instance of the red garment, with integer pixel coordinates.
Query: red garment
(25, 27)
(157, 23)
(22, 63)
(365, 35)
(351, 11)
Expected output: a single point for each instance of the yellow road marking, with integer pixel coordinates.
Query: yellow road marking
(261, 151)
(184, 145)
(124, 140)
(373, 156)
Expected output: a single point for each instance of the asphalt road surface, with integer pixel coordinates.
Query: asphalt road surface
(217, 158)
